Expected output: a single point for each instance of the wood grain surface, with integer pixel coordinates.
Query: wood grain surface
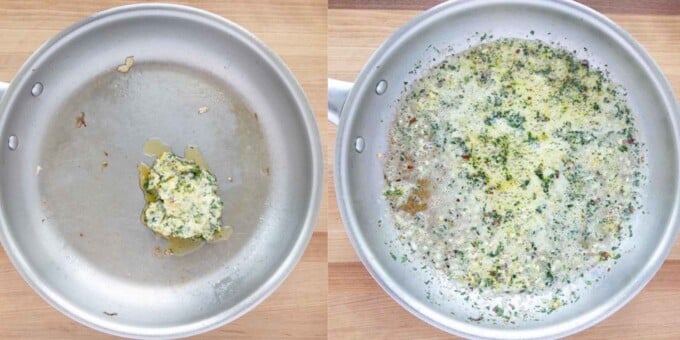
(660, 7)
(296, 30)
(358, 307)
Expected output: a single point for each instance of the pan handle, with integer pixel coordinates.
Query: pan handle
(3, 89)
(337, 94)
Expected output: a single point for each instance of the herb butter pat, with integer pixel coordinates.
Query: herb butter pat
(182, 200)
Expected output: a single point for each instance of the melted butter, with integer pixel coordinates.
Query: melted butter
(155, 147)
(143, 170)
(182, 246)
(224, 234)
(193, 154)
(533, 160)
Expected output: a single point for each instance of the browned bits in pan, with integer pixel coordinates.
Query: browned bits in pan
(124, 68)
(418, 200)
(80, 120)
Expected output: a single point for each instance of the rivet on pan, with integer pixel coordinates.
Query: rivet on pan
(13, 142)
(359, 144)
(381, 87)
(37, 89)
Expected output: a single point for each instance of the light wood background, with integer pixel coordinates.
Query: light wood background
(358, 307)
(296, 30)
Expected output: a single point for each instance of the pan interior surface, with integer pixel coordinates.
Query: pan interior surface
(453, 28)
(71, 201)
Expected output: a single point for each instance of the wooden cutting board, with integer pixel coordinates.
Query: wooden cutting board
(358, 307)
(296, 30)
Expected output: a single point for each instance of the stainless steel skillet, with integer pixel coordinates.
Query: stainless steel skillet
(365, 112)
(69, 198)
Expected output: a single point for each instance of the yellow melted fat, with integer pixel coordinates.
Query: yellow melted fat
(155, 148)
